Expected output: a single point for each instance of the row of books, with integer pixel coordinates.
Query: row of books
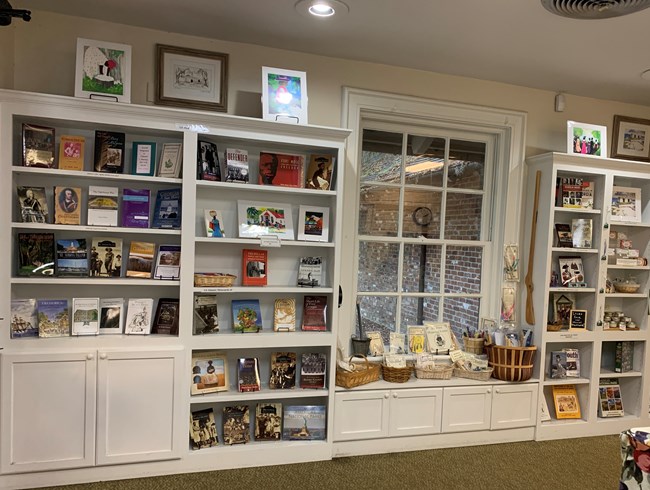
(41, 254)
(92, 316)
(255, 269)
(567, 402)
(272, 422)
(210, 372)
(432, 337)
(103, 206)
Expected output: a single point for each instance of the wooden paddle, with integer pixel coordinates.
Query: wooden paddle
(530, 310)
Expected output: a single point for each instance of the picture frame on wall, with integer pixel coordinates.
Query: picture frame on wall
(284, 95)
(631, 138)
(587, 140)
(191, 78)
(103, 70)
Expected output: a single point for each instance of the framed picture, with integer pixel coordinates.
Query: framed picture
(626, 204)
(313, 224)
(103, 70)
(578, 319)
(284, 95)
(572, 273)
(209, 372)
(256, 218)
(171, 158)
(631, 138)
(586, 139)
(192, 78)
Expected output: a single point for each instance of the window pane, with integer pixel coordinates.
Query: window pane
(422, 207)
(417, 310)
(466, 164)
(378, 313)
(425, 160)
(378, 210)
(381, 156)
(421, 268)
(461, 313)
(463, 216)
(463, 270)
(378, 266)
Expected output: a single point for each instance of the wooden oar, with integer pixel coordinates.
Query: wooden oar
(530, 310)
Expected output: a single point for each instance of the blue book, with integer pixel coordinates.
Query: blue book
(246, 315)
(53, 317)
(167, 212)
(304, 423)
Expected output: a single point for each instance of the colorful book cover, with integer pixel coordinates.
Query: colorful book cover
(53, 317)
(168, 263)
(236, 424)
(283, 371)
(310, 272)
(610, 399)
(165, 321)
(208, 167)
(248, 374)
(138, 316)
(206, 314)
(268, 422)
(35, 254)
(24, 318)
(140, 262)
(567, 405)
(67, 205)
(143, 158)
(312, 370)
(38, 146)
(203, 431)
(85, 316)
(71, 257)
(284, 315)
(281, 169)
(209, 372)
(417, 338)
(167, 211)
(319, 173)
(135, 208)
(254, 267)
(109, 151)
(71, 152)
(246, 315)
(314, 313)
(111, 315)
(304, 423)
(213, 223)
(102, 205)
(106, 257)
(237, 166)
(564, 236)
(33, 204)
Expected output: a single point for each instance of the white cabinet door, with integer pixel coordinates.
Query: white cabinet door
(415, 412)
(48, 411)
(361, 415)
(466, 408)
(138, 402)
(514, 405)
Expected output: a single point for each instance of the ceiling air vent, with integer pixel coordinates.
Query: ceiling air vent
(594, 9)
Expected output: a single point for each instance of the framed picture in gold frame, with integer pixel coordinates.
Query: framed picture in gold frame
(631, 138)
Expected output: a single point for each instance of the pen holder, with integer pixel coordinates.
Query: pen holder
(473, 345)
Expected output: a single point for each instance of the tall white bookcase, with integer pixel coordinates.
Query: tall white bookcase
(85, 405)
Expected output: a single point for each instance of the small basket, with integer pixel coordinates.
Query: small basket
(363, 374)
(477, 375)
(438, 372)
(396, 375)
(512, 363)
(626, 287)
(213, 279)
(474, 345)
(553, 327)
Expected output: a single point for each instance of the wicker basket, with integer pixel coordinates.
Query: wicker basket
(511, 363)
(626, 287)
(477, 375)
(473, 345)
(213, 279)
(363, 374)
(396, 375)
(438, 372)
(553, 327)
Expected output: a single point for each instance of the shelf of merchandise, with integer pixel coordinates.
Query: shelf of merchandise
(596, 342)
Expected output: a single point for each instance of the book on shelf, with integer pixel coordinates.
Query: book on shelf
(283, 371)
(203, 431)
(254, 267)
(544, 414)
(111, 315)
(102, 205)
(109, 151)
(313, 367)
(106, 257)
(71, 257)
(71, 152)
(563, 303)
(624, 356)
(610, 401)
(209, 372)
(24, 318)
(563, 234)
(236, 424)
(284, 315)
(165, 321)
(574, 192)
(626, 204)
(268, 422)
(567, 404)
(143, 158)
(85, 316)
(281, 169)
(237, 165)
(319, 172)
(581, 232)
(67, 205)
(38, 146)
(248, 374)
(167, 210)
(206, 315)
(35, 254)
(138, 316)
(171, 160)
(304, 423)
(33, 204)
(310, 272)
(168, 262)
(558, 365)
(246, 315)
(208, 167)
(53, 317)
(439, 337)
(140, 261)
(417, 338)
(314, 313)
(572, 363)
(376, 346)
(571, 271)
(135, 208)
(213, 223)
(396, 343)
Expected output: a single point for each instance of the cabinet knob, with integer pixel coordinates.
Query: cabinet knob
(103, 355)
(90, 357)
(386, 395)
(394, 395)
(488, 391)
(497, 390)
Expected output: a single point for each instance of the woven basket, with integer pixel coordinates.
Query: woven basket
(438, 372)
(396, 375)
(477, 375)
(511, 363)
(473, 345)
(213, 279)
(363, 374)
(553, 327)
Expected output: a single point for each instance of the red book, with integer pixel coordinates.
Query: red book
(314, 313)
(254, 267)
(281, 169)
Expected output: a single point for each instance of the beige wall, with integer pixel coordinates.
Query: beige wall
(7, 57)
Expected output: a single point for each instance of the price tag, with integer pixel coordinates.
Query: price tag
(269, 241)
(196, 128)
(569, 336)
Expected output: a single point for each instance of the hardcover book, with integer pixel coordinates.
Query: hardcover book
(53, 317)
(85, 316)
(171, 160)
(417, 338)
(33, 204)
(284, 315)
(236, 424)
(71, 152)
(312, 370)
(575, 192)
(208, 164)
(376, 346)
(304, 423)
(268, 422)
(610, 399)
(102, 205)
(237, 166)
(439, 339)
(624, 356)
(283, 371)
(254, 267)
(213, 223)
(140, 262)
(209, 372)
(281, 169)
(67, 205)
(135, 208)
(71, 257)
(203, 431)
(138, 316)
(168, 262)
(109, 151)
(558, 365)
(396, 343)
(111, 315)
(572, 363)
(24, 318)
(143, 158)
(248, 374)
(35, 254)
(246, 315)
(206, 317)
(106, 257)
(564, 236)
(165, 321)
(567, 405)
(167, 211)
(314, 313)
(581, 231)
(38, 146)
(310, 272)
(319, 173)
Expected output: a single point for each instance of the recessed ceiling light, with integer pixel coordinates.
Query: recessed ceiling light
(321, 8)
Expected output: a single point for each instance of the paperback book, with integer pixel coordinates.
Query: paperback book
(140, 261)
(168, 263)
(283, 371)
(213, 223)
(564, 235)
(35, 254)
(171, 160)
(237, 166)
(376, 346)
(319, 173)
(209, 372)
(254, 267)
(246, 315)
(417, 338)
(439, 337)
(567, 405)
(85, 316)
(167, 210)
(572, 274)
(106, 257)
(72, 257)
(310, 272)
(109, 151)
(203, 431)
(312, 370)
(135, 208)
(248, 374)
(558, 365)
(206, 317)
(314, 313)
(138, 316)
(572, 363)
(165, 320)
(610, 399)
(111, 315)
(33, 204)
(281, 169)
(581, 232)
(236, 424)
(38, 146)
(304, 423)
(67, 205)
(143, 158)
(268, 422)
(24, 318)
(53, 317)
(397, 343)
(102, 205)
(71, 152)
(284, 315)
(208, 164)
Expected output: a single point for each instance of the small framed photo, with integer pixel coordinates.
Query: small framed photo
(572, 273)
(313, 224)
(626, 204)
(578, 320)
(257, 218)
(284, 95)
(171, 159)
(143, 158)
(631, 138)
(192, 78)
(103, 70)
(586, 139)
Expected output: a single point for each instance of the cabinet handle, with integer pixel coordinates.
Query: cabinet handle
(90, 357)
(386, 395)
(103, 355)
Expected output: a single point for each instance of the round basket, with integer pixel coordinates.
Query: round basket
(511, 363)
(553, 327)
(213, 279)
(438, 372)
(396, 375)
(626, 287)
(473, 345)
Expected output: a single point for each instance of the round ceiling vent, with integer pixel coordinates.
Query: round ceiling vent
(594, 9)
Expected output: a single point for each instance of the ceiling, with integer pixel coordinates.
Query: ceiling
(512, 41)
